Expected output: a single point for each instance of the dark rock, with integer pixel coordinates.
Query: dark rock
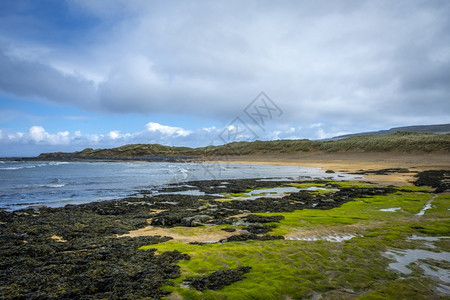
(438, 179)
(218, 279)
(251, 236)
(197, 220)
(87, 260)
(259, 228)
(100, 268)
(384, 171)
(262, 219)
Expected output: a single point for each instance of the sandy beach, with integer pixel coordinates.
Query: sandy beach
(357, 162)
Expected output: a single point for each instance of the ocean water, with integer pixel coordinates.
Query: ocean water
(55, 184)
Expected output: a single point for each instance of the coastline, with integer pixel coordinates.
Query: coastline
(337, 228)
(356, 162)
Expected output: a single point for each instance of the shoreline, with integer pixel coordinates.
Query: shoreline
(150, 246)
(352, 163)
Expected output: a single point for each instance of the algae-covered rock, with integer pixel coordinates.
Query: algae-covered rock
(74, 251)
(439, 179)
(218, 279)
(259, 228)
(251, 236)
(262, 219)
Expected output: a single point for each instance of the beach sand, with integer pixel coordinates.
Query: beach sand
(356, 162)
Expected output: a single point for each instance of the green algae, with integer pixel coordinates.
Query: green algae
(279, 268)
(235, 195)
(355, 268)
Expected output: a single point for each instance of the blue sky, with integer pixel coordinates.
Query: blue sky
(103, 73)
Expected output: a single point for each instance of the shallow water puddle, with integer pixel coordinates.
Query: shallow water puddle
(403, 258)
(193, 192)
(426, 207)
(328, 238)
(422, 212)
(277, 192)
(393, 209)
(428, 238)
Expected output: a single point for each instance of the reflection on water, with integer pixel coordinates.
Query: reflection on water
(424, 260)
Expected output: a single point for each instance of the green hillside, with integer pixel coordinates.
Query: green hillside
(407, 142)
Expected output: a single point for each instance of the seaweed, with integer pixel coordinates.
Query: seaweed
(218, 279)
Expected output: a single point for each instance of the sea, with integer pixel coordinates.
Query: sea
(26, 184)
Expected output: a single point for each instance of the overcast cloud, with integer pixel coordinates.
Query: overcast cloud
(349, 65)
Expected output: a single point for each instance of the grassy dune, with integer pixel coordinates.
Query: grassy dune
(397, 142)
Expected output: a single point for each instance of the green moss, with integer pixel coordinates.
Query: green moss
(235, 195)
(361, 211)
(306, 185)
(440, 206)
(403, 289)
(414, 188)
(300, 269)
(279, 267)
(346, 184)
(239, 195)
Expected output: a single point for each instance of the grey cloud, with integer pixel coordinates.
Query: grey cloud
(37, 80)
(346, 62)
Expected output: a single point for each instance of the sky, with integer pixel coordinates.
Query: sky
(104, 73)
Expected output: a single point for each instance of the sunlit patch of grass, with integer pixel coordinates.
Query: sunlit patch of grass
(362, 210)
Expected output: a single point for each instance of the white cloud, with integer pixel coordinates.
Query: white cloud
(167, 130)
(209, 129)
(37, 134)
(94, 139)
(114, 134)
(38, 139)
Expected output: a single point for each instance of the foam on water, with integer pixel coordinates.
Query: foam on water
(24, 183)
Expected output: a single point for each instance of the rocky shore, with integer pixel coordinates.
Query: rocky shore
(79, 251)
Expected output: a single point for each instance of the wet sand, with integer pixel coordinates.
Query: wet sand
(356, 162)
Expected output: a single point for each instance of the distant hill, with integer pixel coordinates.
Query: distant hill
(408, 142)
(440, 128)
